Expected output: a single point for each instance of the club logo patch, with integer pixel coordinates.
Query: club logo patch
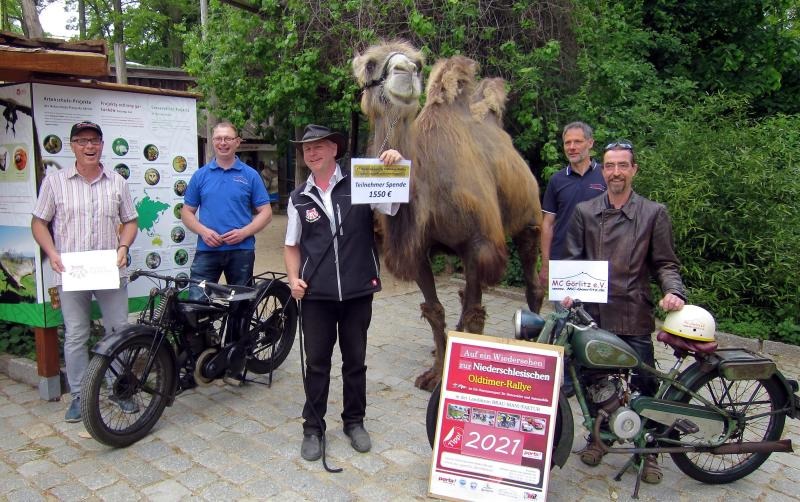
(312, 215)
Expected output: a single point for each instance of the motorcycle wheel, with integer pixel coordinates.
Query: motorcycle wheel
(432, 413)
(745, 398)
(120, 403)
(272, 323)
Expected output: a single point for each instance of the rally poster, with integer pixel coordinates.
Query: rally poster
(496, 419)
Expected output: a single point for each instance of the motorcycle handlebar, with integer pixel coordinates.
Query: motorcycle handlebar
(581, 314)
(146, 273)
(183, 281)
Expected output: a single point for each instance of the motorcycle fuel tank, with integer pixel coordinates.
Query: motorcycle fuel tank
(598, 348)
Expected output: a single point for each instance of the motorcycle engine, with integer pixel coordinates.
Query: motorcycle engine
(608, 393)
(205, 334)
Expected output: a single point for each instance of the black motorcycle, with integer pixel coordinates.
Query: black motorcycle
(178, 344)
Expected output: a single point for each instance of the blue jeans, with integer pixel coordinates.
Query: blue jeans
(237, 265)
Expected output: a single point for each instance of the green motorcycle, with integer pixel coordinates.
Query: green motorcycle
(719, 418)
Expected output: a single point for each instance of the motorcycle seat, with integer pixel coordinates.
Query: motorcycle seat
(677, 342)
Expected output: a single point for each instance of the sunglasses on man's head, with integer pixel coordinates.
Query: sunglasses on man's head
(619, 145)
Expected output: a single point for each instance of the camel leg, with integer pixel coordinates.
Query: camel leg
(527, 242)
(433, 312)
(473, 315)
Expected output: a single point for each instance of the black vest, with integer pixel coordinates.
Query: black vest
(341, 267)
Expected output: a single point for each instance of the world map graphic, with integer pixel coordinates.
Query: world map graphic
(149, 210)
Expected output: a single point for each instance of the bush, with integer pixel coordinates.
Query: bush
(731, 185)
(18, 340)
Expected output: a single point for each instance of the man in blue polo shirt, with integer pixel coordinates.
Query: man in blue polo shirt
(582, 179)
(233, 206)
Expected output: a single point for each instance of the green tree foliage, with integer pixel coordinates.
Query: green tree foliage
(153, 29)
(747, 47)
(290, 64)
(731, 184)
(10, 16)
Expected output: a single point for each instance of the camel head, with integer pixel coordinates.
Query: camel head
(389, 75)
(452, 81)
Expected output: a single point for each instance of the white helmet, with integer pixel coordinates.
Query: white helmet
(692, 322)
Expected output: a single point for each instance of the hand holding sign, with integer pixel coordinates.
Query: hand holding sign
(372, 181)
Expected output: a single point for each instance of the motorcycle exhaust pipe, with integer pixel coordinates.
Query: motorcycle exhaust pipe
(781, 446)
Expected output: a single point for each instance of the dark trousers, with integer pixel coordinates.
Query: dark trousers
(643, 345)
(322, 321)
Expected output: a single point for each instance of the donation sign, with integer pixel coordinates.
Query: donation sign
(585, 280)
(90, 270)
(373, 182)
(496, 419)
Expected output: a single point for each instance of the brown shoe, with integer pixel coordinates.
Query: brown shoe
(592, 454)
(651, 473)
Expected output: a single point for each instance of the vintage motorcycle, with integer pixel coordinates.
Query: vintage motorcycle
(178, 344)
(720, 418)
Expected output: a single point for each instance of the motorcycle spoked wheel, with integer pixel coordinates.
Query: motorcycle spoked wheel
(119, 378)
(272, 328)
(432, 416)
(741, 397)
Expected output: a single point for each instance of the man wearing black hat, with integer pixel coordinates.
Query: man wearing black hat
(65, 199)
(333, 269)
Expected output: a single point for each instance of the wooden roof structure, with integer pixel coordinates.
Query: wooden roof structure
(82, 63)
(23, 59)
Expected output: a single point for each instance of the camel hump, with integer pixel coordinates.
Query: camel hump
(489, 100)
(451, 80)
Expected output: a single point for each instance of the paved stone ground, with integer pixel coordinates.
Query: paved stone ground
(224, 443)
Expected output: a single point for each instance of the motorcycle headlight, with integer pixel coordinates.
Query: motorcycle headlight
(527, 325)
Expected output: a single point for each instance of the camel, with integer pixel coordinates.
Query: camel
(470, 188)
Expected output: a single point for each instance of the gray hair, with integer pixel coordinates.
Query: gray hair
(587, 130)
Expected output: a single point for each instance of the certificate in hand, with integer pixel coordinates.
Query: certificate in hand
(90, 270)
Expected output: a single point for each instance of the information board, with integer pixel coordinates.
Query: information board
(149, 139)
(496, 419)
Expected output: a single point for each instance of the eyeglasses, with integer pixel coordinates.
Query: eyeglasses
(619, 145)
(86, 141)
(224, 140)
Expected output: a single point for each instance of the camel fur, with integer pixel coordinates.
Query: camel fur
(470, 188)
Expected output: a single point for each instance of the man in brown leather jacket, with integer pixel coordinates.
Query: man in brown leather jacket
(634, 235)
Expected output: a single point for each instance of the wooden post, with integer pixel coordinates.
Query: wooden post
(47, 363)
